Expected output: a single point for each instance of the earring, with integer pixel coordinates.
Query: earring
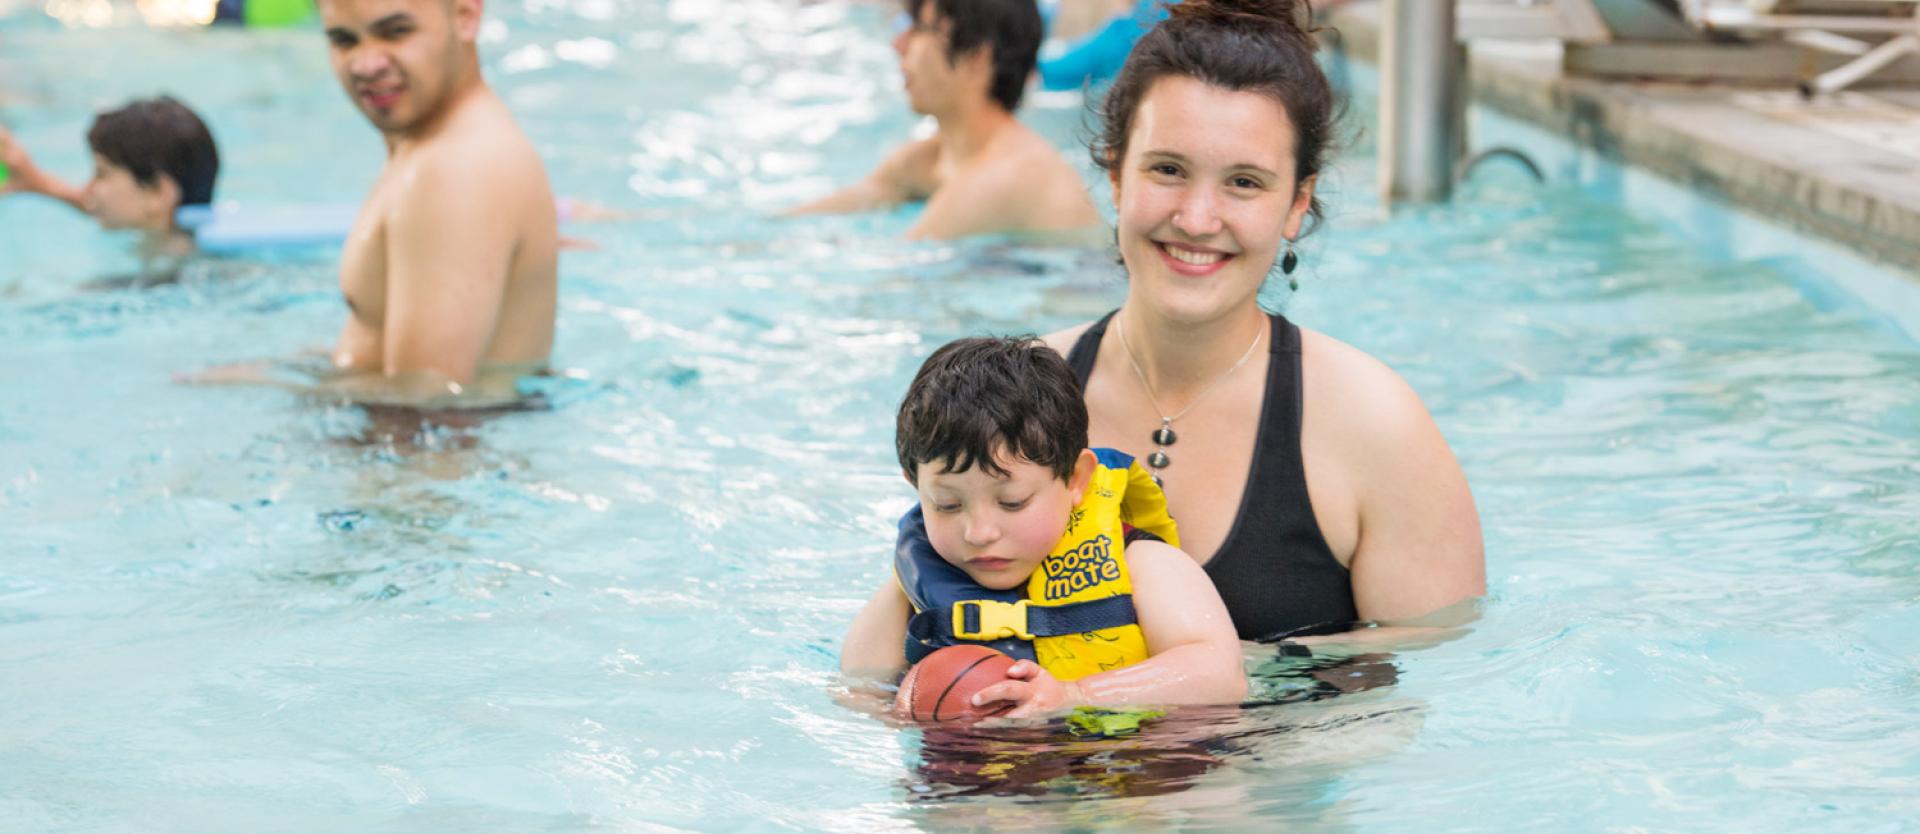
(1288, 262)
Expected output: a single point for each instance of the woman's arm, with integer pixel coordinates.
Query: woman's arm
(1416, 545)
(900, 178)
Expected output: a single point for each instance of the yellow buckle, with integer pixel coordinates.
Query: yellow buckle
(998, 620)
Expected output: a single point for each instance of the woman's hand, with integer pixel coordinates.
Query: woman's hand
(1033, 691)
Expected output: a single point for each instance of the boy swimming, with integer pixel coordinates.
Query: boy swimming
(150, 158)
(1029, 553)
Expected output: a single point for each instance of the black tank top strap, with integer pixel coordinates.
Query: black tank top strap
(1086, 349)
(1275, 570)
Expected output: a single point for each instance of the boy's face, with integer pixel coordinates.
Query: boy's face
(998, 529)
(118, 201)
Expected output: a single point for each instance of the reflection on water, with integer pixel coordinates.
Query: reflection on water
(1050, 761)
(1195, 768)
(1201, 766)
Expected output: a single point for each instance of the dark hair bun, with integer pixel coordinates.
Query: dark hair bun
(1294, 16)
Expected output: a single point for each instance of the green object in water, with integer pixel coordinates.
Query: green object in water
(1094, 721)
(3, 175)
(268, 13)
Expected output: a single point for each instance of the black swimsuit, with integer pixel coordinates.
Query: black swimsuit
(1275, 571)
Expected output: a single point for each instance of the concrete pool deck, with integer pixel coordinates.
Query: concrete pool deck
(1846, 168)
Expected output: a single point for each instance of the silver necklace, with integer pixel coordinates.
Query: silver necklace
(1164, 436)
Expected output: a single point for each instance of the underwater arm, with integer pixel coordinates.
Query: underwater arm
(891, 184)
(310, 376)
(875, 645)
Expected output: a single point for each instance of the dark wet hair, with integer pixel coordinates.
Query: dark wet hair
(1011, 28)
(159, 136)
(1262, 46)
(975, 397)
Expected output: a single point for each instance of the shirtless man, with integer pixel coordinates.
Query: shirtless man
(966, 64)
(449, 273)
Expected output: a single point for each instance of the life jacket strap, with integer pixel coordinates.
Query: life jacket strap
(986, 619)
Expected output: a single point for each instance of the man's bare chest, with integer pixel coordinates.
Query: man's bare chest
(363, 261)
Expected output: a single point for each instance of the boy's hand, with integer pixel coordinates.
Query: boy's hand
(21, 173)
(1033, 691)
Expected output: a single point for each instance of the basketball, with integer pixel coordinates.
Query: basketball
(940, 687)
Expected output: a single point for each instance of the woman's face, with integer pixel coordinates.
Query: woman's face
(1206, 197)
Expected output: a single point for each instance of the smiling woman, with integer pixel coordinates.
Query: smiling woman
(1307, 477)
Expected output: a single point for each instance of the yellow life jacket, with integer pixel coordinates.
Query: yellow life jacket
(1075, 615)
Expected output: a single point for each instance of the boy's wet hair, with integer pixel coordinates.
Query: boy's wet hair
(975, 398)
(159, 136)
(1011, 28)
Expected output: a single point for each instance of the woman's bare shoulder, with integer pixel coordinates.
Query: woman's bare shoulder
(1371, 398)
(1062, 340)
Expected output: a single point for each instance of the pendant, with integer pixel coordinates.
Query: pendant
(1164, 435)
(1158, 460)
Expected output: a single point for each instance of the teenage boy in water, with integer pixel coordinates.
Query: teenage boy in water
(450, 273)
(966, 64)
(150, 158)
(993, 437)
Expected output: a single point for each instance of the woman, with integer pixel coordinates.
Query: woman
(1306, 476)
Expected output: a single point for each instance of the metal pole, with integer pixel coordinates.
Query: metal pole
(1422, 106)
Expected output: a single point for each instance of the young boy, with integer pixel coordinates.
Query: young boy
(150, 158)
(1029, 554)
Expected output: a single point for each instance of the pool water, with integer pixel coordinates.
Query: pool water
(1691, 435)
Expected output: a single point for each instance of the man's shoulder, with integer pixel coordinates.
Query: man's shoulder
(1024, 172)
(1020, 151)
(475, 168)
(481, 141)
(482, 157)
(911, 165)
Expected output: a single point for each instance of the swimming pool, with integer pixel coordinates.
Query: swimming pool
(1692, 438)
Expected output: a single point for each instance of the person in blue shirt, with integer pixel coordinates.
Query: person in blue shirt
(1097, 55)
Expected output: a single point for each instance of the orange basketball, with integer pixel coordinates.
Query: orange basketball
(940, 687)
